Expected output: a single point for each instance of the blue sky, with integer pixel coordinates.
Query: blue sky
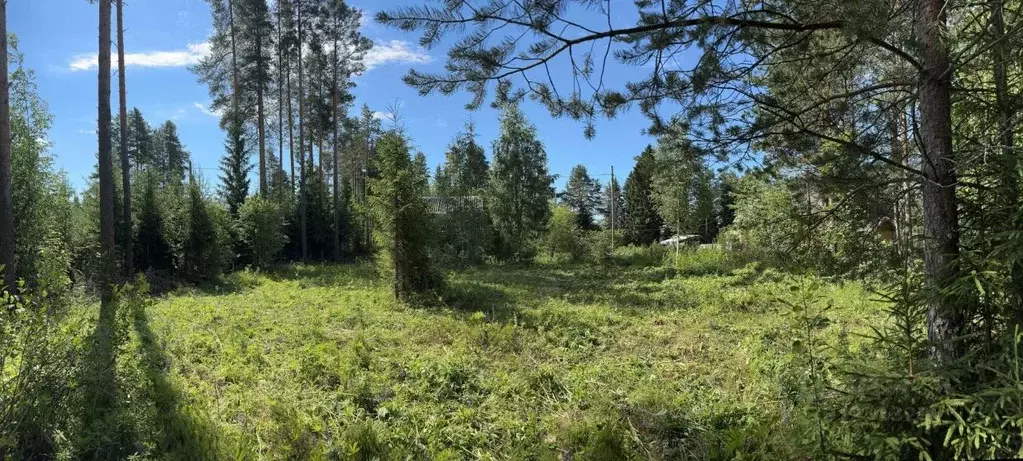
(58, 39)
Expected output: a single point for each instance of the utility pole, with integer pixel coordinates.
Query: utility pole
(614, 201)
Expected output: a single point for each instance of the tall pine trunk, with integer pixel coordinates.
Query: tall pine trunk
(6, 202)
(106, 167)
(260, 119)
(291, 126)
(280, 100)
(337, 156)
(129, 263)
(301, 142)
(941, 219)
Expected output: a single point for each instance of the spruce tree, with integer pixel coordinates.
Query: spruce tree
(641, 223)
(403, 225)
(152, 250)
(236, 167)
(582, 196)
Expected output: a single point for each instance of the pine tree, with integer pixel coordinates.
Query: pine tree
(236, 167)
(520, 187)
(403, 225)
(582, 196)
(106, 168)
(255, 36)
(126, 228)
(642, 225)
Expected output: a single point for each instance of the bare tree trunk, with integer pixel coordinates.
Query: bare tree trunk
(941, 219)
(6, 202)
(106, 168)
(129, 263)
(291, 127)
(301, 143)
(337, 156)
(261, 119)
(280, 99)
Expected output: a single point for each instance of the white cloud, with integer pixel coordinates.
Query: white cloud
(175, 58)
(212, 113)
(440, 123)
(89, 132)
(395, 51)
(378, 115)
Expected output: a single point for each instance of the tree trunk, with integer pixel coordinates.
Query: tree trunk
(1008, 164)
(301, 142)
(6, 202)
(234, 59)
(291, 127)
(106, 168)
(280, 100)
(260, 119)
(129, 263)
(941, 220)
(337, 156)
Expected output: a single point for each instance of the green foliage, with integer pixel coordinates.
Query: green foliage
(642, 224)
(681, 184)
(464, 231)
(582, 196)
(152, 247)
(401, 221)
(40, 195)
(262, 229)
(564, 237)
(236, 168)
(204, 251)
(520, 187)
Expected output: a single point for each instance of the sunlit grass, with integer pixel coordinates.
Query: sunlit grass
(319, 362)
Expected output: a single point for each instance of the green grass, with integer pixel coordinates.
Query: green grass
(319, 362)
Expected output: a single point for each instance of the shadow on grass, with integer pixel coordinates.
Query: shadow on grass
(358, 274)
(127, 414)
(469, 297)
(639, 289)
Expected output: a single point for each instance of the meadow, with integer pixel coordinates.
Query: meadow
(548, 361)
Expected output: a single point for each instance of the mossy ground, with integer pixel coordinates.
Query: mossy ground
(541, 362)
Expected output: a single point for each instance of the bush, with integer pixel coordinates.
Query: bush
(564, 238)
(261, 224)
(703, 260)
(38, 366)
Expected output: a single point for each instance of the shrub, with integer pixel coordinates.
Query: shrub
(38, 366)
(563, 235)
(261, 224)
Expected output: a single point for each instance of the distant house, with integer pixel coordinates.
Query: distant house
(681, 240)
(445, 205)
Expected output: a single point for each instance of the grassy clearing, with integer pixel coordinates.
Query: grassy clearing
(577, 362)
